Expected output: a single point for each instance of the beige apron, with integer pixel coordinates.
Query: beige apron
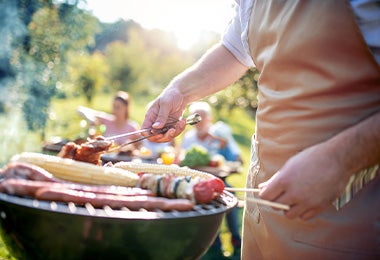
(317, 78)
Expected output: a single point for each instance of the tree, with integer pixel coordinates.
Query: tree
(41, 59)
(243, 94)
(88, 73)
(112, 32)
(145, 65)
(121, 59)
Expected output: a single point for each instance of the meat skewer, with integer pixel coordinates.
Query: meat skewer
(171, 186)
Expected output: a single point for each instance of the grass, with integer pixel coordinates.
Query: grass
(65, 122)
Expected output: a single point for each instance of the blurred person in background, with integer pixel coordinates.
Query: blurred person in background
(116, 123)
(217, 139)
(200, 134)
(316, 146)
(231, 151)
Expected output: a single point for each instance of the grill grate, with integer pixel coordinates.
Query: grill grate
(222, 204)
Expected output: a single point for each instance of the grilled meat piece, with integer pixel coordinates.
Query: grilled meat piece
(86, 152)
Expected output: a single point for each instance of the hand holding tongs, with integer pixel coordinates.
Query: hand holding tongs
(190, 120)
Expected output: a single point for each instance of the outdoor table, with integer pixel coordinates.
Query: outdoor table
(120, 157)
(222, 172)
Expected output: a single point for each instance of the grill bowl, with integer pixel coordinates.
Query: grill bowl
(33, 229)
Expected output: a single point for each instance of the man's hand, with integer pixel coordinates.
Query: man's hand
(308, 183)
(166, 110)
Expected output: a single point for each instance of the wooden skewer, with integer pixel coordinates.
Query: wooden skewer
(268, 203)
(259, 201)
(242, 189)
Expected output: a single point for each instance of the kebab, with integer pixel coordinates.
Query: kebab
(172, 181)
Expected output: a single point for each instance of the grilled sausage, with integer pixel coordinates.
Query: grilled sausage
(114, 201)
(22, 187)
(27, 171)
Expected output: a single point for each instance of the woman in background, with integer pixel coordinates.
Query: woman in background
(116, 123)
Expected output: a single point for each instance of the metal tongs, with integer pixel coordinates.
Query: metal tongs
(190, 120)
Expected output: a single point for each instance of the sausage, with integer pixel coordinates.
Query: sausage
(27, 171)
(113, 201)
(23, 187)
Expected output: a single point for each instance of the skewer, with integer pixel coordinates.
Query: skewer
(268, 203)
(242, 189)
(259, 201)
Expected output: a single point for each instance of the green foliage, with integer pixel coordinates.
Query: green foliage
(121, 59)
(196, 156)
(4, 254)
(241, 94)
(112, 32)
(144, 65)
(88, 74)
(53, 60)
(39, 60)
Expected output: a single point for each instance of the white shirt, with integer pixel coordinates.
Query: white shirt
(235, 39)
(191, 139)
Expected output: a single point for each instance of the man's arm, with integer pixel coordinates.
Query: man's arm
(312, 179)
(217, 69)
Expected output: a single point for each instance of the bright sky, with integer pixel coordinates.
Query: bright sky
(185, 18)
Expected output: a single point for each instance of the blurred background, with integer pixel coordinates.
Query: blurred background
(56, 55)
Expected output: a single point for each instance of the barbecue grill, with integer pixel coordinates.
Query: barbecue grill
(34, 229)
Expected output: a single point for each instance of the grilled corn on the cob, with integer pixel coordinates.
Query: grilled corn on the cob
(75, 171)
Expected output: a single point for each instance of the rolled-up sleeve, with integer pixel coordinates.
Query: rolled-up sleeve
(232, 39)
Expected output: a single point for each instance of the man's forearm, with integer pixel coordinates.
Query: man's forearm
(217, 69)
(358, 147)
